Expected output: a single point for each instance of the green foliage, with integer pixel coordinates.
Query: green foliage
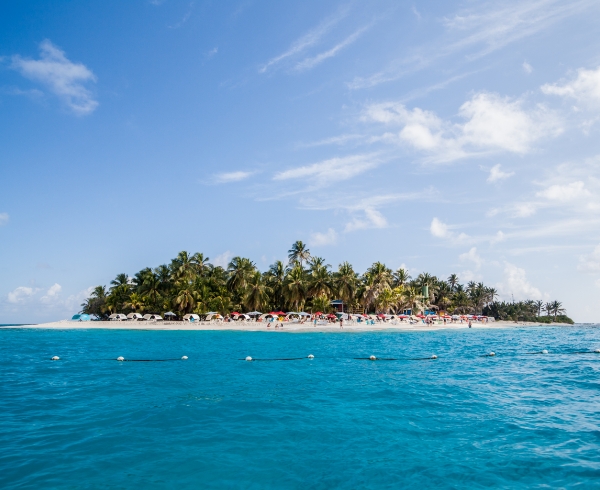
(190, 283)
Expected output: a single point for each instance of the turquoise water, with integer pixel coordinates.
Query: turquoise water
(515, 420)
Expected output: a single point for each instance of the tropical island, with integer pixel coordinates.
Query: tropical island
(190, 284)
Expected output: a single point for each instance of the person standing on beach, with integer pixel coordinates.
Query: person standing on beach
(341, 323)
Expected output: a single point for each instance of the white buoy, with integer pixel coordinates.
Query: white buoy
(184, 358)
(56, 358)
(248, 358)
(597, 351)
(120, 358)
(372, 358)
(492, 354)
(434, 356)
(310, 356)
(544, 351)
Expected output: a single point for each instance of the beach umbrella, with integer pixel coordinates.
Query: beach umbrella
(170, 313)
(235, 313)
(318, 313)
(278, 313)
(253, 313)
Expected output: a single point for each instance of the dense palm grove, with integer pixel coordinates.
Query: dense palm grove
(190, 284)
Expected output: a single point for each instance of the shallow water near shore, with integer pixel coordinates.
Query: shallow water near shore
(519, 419)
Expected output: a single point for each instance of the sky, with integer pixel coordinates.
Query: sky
(442, 136)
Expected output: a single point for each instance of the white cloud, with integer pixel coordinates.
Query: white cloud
(527, 68)
(515, 284)
(524, 209)
(332, 170)
(313, 61)
(52, 294)
(472, 256)
(591, 262)
(372, 219)
(223, 259)
(20, 294)
(492, 124)
(442, 230)
(585, 87)
(327, 238)
(496, 174)
(3, 218)
(564, 192)
(478, 31)
(74, 301)
(228, 177)
(63, 77)
(310, 39)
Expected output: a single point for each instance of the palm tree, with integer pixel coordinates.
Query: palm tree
(557, 309)
(345, 282)
(183, 266)
(298, 253)
(135, 302)
(538, 305)
(200, 263)
(401, 277)
(257, 292)
(185, 297)
(319, 283)
(239, 270)
(452, 281)
(461, 302)
(275, 280)
(322, 304)
(386, 300)
(413, 299)
(151, 287)
(294, 288)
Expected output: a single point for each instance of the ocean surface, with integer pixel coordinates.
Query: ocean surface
(520, 419)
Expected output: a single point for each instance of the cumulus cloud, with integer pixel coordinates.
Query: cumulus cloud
(62, 77)
(441, 230)
(491, 124)
(18, 295)
(497, 174)
(52, 294)
(372, 219)
(223, 259)
(332, 170)
(228, 177)
(515, 284)
(472, 256)
(591, 262)
(3, 218)
(327, 238)
(564, 192)
(585, 87)
(527, 68)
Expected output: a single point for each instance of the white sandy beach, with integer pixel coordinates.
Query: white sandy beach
(287, 327)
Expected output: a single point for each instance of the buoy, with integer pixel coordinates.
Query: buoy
(56, 358)
(492, 354)
(544, 351)
(248, 358)
(120, 358)
(184, 358)
(310, 356)
(597, 351)
(434, 356)
(372, 358)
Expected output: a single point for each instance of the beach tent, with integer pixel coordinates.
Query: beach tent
(303, 313)
(83, 317)
(117, 317)
(191, 317)
(213, 315)
(134, 317)
(242, 317)
(254, 313)
(152, 318)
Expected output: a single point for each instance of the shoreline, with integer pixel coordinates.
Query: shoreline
(262, 327)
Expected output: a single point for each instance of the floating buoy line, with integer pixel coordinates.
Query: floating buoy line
(370, 358)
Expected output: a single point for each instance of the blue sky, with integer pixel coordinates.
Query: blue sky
(448, 137)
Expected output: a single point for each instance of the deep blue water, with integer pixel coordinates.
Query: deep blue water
(516, 420)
